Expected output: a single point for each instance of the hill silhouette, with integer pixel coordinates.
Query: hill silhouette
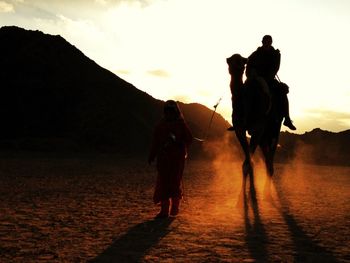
(54, 97)
(317, 146)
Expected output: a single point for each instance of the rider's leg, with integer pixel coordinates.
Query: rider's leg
(287, 121)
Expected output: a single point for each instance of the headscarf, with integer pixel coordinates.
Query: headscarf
(173, 106)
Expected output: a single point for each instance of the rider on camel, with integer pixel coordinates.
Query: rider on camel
(263, 65)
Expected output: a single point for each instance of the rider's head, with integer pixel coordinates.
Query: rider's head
(267, 41)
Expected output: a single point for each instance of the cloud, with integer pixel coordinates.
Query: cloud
(101, 2)
(6, 7)
(27, 11)
(142, 3)
(122, 71)
(159, 73)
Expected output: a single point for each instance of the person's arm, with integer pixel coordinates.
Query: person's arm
(277, 62)
(188, 137)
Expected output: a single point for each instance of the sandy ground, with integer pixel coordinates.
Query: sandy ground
(100, 210)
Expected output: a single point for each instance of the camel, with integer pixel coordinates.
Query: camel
(262, 120)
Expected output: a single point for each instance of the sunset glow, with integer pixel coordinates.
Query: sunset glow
(176, 49)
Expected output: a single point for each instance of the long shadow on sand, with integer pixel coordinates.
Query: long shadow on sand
(132, 246)
(306, 249)
(255, 233)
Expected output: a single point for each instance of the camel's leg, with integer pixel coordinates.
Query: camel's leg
(252, 191)
(269, 153)
(242, 138)
(247, 166)
(270, 171)
(257, 134)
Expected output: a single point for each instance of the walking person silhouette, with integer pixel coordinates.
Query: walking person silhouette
(171, 140)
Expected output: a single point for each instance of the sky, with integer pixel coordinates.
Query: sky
(177, 49)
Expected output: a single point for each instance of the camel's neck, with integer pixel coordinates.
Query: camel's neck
(236, 82)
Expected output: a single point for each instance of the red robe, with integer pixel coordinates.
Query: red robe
(170, 142)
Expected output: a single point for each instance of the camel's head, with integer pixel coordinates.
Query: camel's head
(236, 63)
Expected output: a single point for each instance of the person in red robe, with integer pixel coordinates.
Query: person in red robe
(170, 143)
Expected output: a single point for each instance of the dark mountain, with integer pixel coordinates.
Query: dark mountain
(317, 146)
(54, 97)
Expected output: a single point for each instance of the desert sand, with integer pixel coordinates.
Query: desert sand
(99, 209)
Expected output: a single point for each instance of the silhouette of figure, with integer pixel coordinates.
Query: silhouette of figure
(170, 142)
(262, 66)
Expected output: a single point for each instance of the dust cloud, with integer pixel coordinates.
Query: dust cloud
(219, 191)
(227, 164)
